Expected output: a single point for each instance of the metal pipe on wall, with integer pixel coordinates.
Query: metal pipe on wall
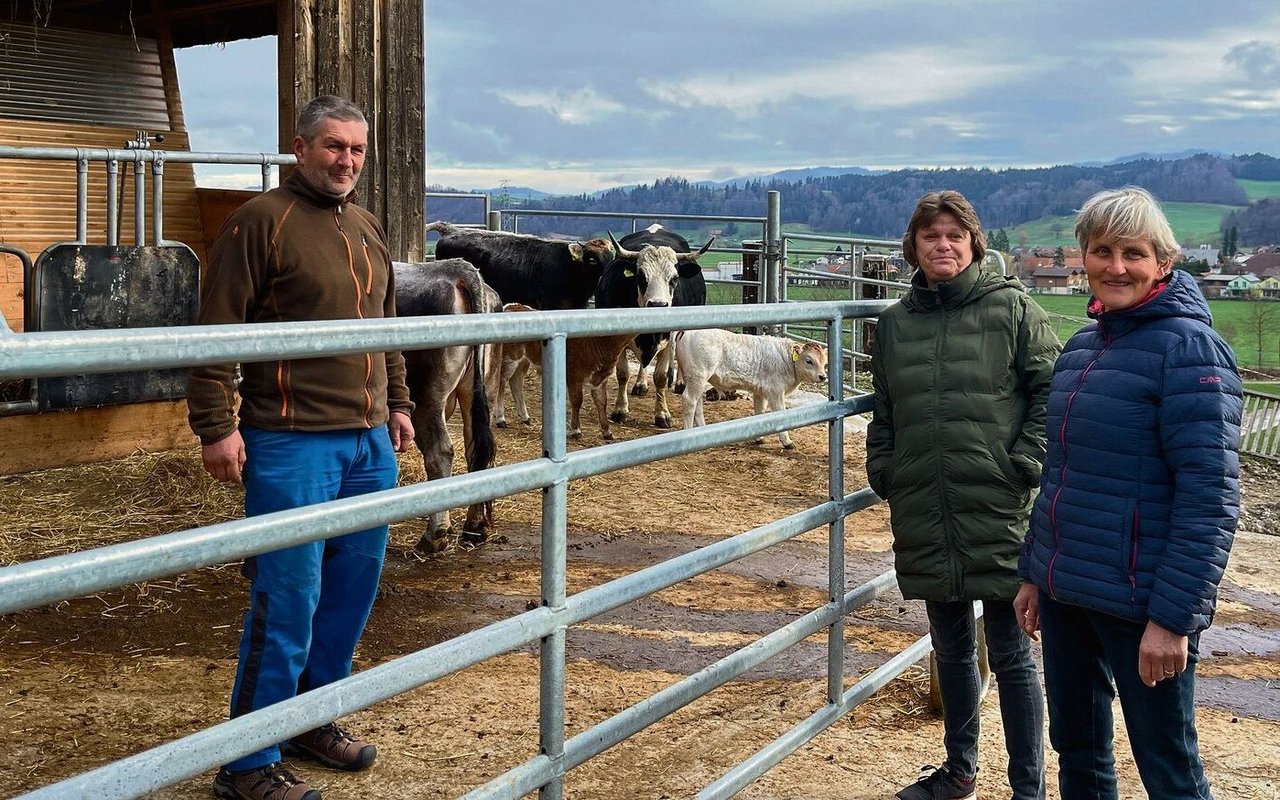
(113, 202)
(82, 198)
(157, 199)
(139, 204)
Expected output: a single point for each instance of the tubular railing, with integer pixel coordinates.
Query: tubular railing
(113, 158)
(32, 584)
(1260, 431)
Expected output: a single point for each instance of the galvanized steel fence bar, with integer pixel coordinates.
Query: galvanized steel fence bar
(1260, 431)
(49, 580)
(113, 158)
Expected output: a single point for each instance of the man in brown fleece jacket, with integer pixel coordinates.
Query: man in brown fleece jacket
(309, 431)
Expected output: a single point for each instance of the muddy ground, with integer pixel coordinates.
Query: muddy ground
(94, 679)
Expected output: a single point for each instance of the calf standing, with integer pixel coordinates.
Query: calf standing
(770, 367)
(589, 361)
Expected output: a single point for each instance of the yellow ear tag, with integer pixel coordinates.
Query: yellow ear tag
(795, 355)
(629, 273)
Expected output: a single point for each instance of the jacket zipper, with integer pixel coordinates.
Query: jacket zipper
(351, 267)
(948, 531)
(1062, 474)
(1133, 559)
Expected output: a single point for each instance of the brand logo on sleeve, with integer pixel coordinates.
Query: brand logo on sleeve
(1210, 379)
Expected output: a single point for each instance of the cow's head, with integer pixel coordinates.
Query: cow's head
(809, 360)
(656, 270)
(594, 255)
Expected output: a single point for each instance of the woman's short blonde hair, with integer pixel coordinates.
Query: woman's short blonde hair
(1127, 213)
(929, 208)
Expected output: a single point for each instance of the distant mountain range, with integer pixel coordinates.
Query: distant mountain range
(801, 174)
(877, 203)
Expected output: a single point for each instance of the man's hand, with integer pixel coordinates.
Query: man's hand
(1026, 607)
(1162, 654)
(401, 429)
(224, 459)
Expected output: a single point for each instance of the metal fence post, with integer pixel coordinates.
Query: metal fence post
(555, 550)
(835, 491)
(772, 255)
(493, 218)
(772, 243)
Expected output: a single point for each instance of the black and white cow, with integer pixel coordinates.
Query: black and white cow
(443, 378)
(543, 273)
(653, 267)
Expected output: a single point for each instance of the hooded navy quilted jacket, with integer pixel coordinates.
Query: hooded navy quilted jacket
(1140, 491)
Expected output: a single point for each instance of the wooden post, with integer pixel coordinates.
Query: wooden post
(370, 51)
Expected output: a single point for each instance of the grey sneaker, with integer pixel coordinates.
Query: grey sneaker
(272, 782)
(938, 783)
(333, 747)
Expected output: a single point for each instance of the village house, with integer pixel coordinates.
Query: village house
(1059, 280)
(1242, 286)
(1208, 255)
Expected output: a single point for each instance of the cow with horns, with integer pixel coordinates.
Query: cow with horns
(545, 274)
(652, 268)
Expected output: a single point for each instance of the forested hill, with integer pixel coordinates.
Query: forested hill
(880, 205)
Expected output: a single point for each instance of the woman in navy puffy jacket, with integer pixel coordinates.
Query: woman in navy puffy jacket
(1137, 508)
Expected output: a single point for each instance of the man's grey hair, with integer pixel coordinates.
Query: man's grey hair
(323, 108)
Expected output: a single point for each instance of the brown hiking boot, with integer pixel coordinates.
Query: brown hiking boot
(272, 782)
(333, 747)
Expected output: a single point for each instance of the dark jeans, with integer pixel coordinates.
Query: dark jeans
(1021, 702)
(1088, 657)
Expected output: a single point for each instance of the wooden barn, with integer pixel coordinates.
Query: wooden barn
(100, 73)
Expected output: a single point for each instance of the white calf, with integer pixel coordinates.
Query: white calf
(770, 367)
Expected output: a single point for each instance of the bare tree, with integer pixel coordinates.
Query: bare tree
(1260, 321)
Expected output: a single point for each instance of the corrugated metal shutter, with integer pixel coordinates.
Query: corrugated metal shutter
(77, 76)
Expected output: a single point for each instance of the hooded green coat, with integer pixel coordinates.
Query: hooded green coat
(961, 373)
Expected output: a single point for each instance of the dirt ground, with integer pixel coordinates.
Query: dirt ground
(94, 679)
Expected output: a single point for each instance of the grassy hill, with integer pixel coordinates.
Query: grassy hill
(1193, 223)
(1259, 190)
(1233, 320)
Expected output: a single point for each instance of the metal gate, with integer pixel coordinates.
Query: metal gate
(41, 582)
(1260, 433)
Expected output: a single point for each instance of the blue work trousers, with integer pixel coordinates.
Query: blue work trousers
(1088, 657)
(954, 632)
(309, 603)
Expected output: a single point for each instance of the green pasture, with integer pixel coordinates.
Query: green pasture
(1237, 321)
(1259, 190)
(1193, 224)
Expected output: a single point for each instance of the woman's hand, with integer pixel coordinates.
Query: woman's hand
(1027, 608)
(1162, 654)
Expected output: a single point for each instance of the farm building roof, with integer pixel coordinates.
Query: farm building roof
(190, 22)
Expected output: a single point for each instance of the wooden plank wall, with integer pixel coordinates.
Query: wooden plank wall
(30, 442)
(40, 197)
(370, 51)
(39, 209)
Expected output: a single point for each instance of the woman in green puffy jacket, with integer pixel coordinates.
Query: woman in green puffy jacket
(961, 369)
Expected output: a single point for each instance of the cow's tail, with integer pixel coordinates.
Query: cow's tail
(483, 448)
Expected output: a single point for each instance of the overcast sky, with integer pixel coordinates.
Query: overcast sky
(577, 96)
